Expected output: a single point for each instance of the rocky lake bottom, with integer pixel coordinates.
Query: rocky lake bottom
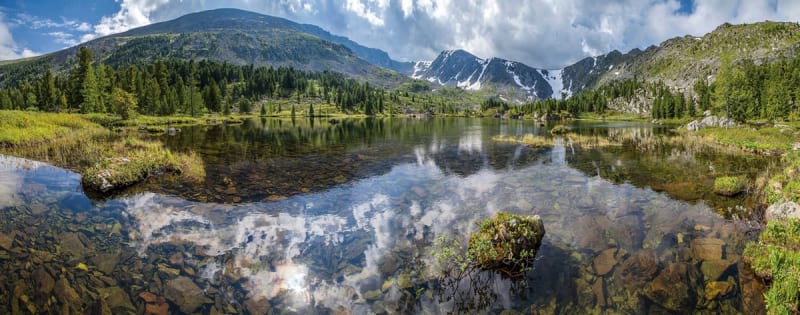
(311, 217)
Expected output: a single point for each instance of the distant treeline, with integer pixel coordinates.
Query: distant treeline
(183, 87)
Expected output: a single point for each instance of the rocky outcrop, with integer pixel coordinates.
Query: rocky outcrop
(710, 121)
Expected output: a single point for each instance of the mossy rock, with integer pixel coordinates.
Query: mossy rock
(729, 185)
(506, 242)
(559, 130)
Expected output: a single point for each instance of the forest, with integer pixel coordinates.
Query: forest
(183, 87)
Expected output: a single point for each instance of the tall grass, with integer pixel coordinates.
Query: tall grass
(19, 128)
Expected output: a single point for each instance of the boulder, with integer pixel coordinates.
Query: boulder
(782, 210)
(707, 248)
(185, 294)
(711, 121)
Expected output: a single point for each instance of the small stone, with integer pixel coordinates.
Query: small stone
(372, 295)
(65, 293)
(72, 244)
(82, 266)
(176, 259)
(599, 292)
(718, 289)
(670, 289)
(680, 238)
(169, 272)
(404, 281)
(257, 305)
(156, 309)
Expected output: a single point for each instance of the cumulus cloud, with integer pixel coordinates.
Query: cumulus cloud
(64, 38)
(541, 33)
(8, 47)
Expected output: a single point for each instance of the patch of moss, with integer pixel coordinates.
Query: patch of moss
(776, 257)
(730, 185)
(786, 184)
(506, 242)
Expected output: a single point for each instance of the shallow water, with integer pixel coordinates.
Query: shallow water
(309, 217)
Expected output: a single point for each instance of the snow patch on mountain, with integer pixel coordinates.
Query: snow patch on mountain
(556, 81)
(419, 69)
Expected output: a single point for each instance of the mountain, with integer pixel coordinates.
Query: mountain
(233, 36)
(513, 79)
(679, 62)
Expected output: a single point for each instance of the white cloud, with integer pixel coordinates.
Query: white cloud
(64, 38)
(8, 47)
(540, 33)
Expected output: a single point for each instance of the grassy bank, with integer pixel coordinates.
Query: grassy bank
(19, 128)
(106, 160)
(769, 140)
(776, 255)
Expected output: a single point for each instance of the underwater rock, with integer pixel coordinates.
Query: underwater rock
(714, 269)
(707, 248)
(607, 259)
(257, 305)
(71, 243)
(117, 300)
(506, 241)
(44, 281)
(718, 289)
(637, 269)
(6, 241)
(66, 294)
(106, 262)
(186, 294)
(670, 289)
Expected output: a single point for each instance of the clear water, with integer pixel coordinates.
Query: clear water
(309, 217)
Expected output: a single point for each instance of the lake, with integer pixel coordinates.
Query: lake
(309, 216)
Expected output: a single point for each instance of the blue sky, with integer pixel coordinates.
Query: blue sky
(541, 33)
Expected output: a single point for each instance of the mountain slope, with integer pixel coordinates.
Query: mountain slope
(681, 61)
(226, 35)
(462, 69)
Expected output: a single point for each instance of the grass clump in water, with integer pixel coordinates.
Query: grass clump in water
(559, 130)
(528, 139)
(132, 160)
(776, 257)
(730, 185)
(19, 128)
(507, 242)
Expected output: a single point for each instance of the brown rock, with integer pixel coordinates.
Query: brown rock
(148, 297)
(43, 279)
(714, 269)
(637, 269)
(186, 294)
(606, 260)
(718, 289)
(706, 248)
(106, 262)
(6, 241)
(156, 309)
(118, 301)
(599, 292)
(257, 306)
(71, 243)
(176, 259)
(670, 288)
(66, 294)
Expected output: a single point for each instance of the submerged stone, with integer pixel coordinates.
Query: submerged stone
(44, 281)
(718, 289)
(607, 259)
(186, 294)
(670, 289)
(706, 248)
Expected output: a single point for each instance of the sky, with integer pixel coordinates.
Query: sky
(546, 34)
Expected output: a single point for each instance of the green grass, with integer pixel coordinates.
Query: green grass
(559, 129)
(785, 186)
(776, 256)
(19, 128)
(729, 185)
(528, 139)
(764, 140)
(506, 240)
(142, 120)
